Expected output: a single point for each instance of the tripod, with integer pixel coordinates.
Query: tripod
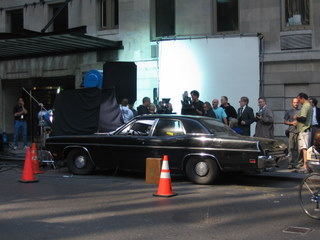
(44, 156)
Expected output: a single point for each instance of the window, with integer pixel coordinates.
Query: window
(168, 128)
(138, 128)
(217, 128)
(194, 127)
(109, 14)
(16, 20)
(165, 17)
(297, 12)
(60, 23)
(227, 15)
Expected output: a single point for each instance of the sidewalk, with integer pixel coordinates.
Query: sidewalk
(10, 154)
(284, 173)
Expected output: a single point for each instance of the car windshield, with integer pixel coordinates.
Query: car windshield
(217, 128)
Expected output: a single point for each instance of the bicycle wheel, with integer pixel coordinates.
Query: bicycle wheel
(309, 193)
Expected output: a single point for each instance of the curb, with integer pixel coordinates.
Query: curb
(284, 173)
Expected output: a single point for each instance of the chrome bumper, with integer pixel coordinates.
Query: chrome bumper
(314, 166)
(266, 162)
(271, 161)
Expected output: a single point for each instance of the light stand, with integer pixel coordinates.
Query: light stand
(43, 110)
(42, 155)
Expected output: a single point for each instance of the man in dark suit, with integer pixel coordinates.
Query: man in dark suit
(315, 117)
(143, 108)
(245, 116)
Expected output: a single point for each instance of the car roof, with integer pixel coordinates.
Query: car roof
(146, 116)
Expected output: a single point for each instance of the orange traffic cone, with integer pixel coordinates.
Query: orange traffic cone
(28, 175)
(34, 158)
(164, 188)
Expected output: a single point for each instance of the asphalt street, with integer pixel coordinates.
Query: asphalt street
(121, 205)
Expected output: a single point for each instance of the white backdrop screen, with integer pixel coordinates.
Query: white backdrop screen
(213, 66)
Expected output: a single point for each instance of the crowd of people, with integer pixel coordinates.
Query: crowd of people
(128, 112)
(240, 120)
(303, 131)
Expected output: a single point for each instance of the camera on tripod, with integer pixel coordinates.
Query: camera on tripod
(165, 106)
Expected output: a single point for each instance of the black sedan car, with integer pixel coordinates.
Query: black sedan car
(199, 147)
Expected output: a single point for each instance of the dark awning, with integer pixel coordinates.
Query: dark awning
(15, 46)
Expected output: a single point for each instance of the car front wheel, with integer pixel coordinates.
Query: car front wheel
(202, 171)
(79, 162)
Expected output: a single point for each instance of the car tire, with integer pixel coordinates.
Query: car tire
(202, 170)
(79, 162)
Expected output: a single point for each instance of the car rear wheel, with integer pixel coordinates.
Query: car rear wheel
(79, 162)
(202, 170)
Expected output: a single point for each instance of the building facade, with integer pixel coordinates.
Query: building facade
(129, 30)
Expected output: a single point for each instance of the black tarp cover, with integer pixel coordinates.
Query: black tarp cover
(110, 113)
(85, 111)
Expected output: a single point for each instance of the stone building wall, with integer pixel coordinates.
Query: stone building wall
(285, 72)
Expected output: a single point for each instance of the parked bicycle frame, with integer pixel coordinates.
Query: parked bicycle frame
(309, 191)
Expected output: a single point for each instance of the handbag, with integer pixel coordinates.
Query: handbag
(287, 133)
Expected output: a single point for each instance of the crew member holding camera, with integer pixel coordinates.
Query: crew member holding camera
(192, 106)
(264, 119)
(186, 104)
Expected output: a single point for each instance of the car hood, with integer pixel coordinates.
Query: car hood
(268, 145)
(272, 146)
(271, 143)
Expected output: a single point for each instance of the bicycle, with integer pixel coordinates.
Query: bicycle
(309, 191)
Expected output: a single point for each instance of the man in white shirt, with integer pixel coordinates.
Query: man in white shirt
(313, 152)
(126, 113)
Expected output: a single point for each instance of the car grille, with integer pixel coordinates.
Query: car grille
(277, 153)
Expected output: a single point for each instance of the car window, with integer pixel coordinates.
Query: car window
(140, 127)
(217, 127)
(168, 127)
(194, 127)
